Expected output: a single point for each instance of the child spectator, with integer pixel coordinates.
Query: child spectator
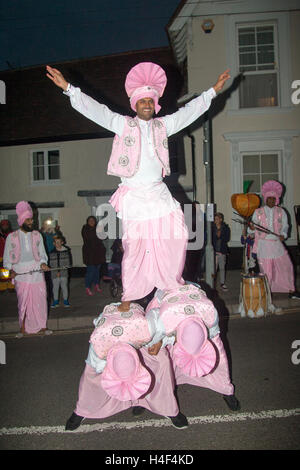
(60, 257)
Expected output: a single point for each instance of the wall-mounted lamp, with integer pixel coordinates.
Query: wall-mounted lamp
(208, 26)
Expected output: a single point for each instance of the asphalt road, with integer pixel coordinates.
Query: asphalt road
(39, 385)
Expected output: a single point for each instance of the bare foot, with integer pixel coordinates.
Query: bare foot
(124, 307)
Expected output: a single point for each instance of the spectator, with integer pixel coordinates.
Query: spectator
(220, 238)
(60, 257)
(5, 230)
(93, 252)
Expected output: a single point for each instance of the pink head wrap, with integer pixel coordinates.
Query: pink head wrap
(124, 377)
(24, 212)
(193, 353)
(145, 80)
(271, 188)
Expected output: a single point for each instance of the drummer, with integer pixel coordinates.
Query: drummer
(273, 258)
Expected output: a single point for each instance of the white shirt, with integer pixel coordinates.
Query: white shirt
(27, 260)
(150, 169)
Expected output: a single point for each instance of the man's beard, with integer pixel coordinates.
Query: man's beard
(26, 228)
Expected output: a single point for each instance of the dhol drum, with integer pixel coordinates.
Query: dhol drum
(255, 297)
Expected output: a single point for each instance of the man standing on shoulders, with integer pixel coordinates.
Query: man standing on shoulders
(140, 158)
(25, 257)
(273, 258)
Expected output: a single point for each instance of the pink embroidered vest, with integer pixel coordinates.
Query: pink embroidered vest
(262, 220)
(126, 150)
(15, 252)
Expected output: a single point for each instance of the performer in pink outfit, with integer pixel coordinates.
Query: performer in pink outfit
(25, 252)
(140, 158)
(117, 376)
(273, 258)
(213, 371)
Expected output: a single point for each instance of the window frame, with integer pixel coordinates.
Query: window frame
(260, 153)
(283, 59)
(46, 180)
(275, 70)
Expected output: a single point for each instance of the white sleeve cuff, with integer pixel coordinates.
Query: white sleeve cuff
(68, 91)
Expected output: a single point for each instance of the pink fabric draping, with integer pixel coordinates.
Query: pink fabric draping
(154, 254)
(94, 402)
(117, 198)
(217, 380)
(124, 377)
(32, 303)
(280, 273)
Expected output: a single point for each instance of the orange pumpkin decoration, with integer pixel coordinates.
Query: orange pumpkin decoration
(245, 204)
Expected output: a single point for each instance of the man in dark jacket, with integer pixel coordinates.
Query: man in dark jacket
(220, 238)
(93, 253)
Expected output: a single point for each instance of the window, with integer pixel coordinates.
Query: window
(258, 46)
(257, 59)
(49, 215)
(259, 168)
(45, 166)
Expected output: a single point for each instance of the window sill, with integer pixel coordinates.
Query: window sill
(265, 110)
(46, 183)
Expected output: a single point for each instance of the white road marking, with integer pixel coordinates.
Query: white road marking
(157, 423)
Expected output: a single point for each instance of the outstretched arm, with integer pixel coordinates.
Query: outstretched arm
(84, 104)
(57, 77)
(221, 81)
(194, 109)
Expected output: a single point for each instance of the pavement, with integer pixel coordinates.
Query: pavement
(84, 309)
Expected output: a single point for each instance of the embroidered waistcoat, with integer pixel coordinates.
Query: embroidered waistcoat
(15, 252)
(262, 220)
(126, 150)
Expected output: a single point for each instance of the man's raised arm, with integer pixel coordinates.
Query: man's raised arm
(84, 104)
(57, 77)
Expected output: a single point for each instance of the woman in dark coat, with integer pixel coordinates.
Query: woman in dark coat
(93, 253)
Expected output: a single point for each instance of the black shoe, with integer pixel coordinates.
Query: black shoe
(73, 422)
(232, 402)
(179, 421)
(294, 295)
(137, 410)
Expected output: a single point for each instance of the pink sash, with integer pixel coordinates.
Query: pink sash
(117, 198)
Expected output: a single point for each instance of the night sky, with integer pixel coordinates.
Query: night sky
(36, 32)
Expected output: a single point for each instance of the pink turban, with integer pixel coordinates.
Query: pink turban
(145, 80)
(24, 212)
(271, 188)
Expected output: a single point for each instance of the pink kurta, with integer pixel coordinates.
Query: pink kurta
(94, 402)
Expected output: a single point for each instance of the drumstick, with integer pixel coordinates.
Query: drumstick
(259, 227)
(41, 270)
(262, 229)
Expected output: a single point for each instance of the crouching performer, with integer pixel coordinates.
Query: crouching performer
(129, 366)
(118, 375)
(197, 332)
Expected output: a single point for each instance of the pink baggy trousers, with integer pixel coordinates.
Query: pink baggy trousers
(154, 254)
